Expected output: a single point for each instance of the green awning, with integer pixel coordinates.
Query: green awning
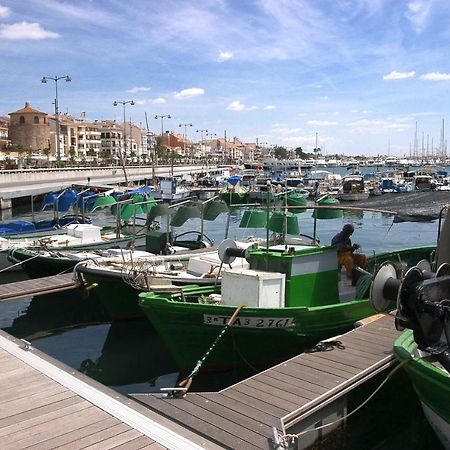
(213, 209)
(253, 218)
(185, 213)
(328, 213)
(160, 209)
(283, 223)
(102, 201)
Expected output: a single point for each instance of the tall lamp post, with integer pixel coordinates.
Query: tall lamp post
(123, 154)
(211, 136)
(162, 117)
(202, 131)
(185, 125)
(56, 79)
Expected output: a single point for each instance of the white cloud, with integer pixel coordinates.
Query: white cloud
(135, 90)
(322, 123)
(26, 30)
(188, 93)
(268, 107)
(399, 75)
(141, 102)
(4, 11)
(236, 105)
(159, 101)
(378, 126)
(225, 56)
(418, 13)
(435, 76)
(324, 97)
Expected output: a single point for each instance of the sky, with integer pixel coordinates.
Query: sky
(358, 76)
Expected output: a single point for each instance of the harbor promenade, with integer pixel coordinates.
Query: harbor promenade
(26, 182)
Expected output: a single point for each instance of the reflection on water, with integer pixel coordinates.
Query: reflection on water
(132, 353)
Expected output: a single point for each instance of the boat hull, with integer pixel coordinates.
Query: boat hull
(431, 383)
(119, 298)
(42, 266)
(259, 336)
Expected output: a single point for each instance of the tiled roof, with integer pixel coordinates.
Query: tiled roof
(27, 109)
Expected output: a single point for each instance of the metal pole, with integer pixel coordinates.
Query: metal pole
(58, 148)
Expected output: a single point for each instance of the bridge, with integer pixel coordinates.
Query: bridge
(27, 182)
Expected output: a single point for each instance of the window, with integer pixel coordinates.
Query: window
(21, 119)
(36, 119)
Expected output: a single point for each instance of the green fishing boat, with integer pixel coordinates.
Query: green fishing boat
(234, 198)
(421, 295)
(293, 298)
(431, 383)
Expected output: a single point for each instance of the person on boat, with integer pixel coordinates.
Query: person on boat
(346, 251)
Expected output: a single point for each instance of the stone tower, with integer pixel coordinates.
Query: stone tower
(28, 127)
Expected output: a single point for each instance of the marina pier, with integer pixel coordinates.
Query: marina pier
(26, 182)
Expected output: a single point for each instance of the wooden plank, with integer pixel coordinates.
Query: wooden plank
(215, 420)
(358, 351)
(341, 357)
(279, 393)
(242, 407)
(30, 414)
(95, 438)
(41, 416)
(154, 446)
(327, 377)
(376, 340)
(116, 440)
(331, 371)
(247, 422)
(254, 402)
(13, 393)
(13, 404)
(284, 382)
(381, 339)
(77, 434)
(28, 288)
(217, 434)
(298, 378)
(138, 443)
(54, 428)
(37, 403)
(354, 342)
(251, 391)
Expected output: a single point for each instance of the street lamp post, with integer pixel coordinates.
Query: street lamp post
(162, 116)
(185, 125)
(211, 136)
(124, 153)
(56, 79)
(202, 131)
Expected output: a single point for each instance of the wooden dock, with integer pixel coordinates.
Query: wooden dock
(46, 404)
(37, 286)
(286, 396)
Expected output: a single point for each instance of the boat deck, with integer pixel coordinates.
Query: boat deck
(244, 415)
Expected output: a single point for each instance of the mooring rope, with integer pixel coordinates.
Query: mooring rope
(288, 439)
(186, 383)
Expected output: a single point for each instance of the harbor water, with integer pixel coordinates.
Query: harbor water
(130, 358)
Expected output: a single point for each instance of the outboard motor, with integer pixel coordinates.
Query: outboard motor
(423, 305)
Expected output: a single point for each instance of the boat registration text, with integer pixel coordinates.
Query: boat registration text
(249, 322)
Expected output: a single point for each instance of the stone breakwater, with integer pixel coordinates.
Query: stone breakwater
(413, 206)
